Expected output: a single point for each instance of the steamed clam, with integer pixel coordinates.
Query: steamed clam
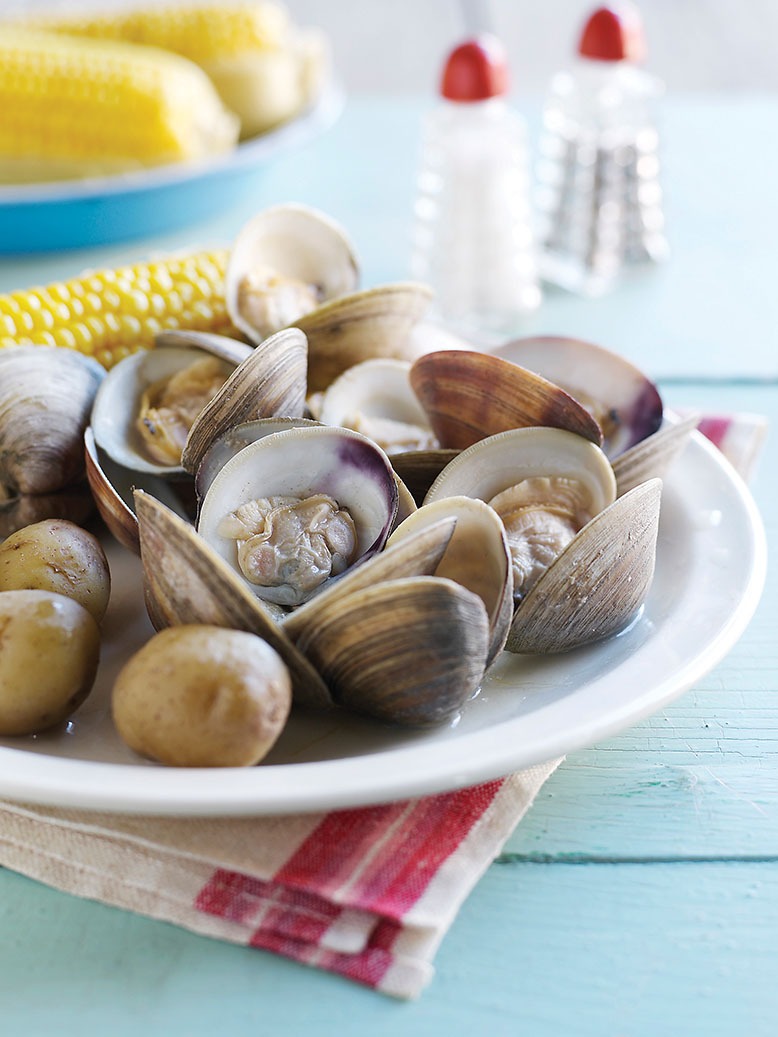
(625, 403)
(147, 404)
(469, 395)
(293, 266)
(375, 397)
(556, 495)
(285, 262)
(423, 413)
(45, 399)
(298, 507)
(477, 557)
(388, 639)
(156, 409)
(263, 381)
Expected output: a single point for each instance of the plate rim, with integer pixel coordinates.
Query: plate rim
(258, 792)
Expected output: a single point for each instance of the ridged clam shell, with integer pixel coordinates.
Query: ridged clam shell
(410, 651)
(46, 396)
(612, 386)
(651, 457)
(598, 584)
(375, 322)
(477, 557)
(468, 396)
(117, 405)
(416, 553)
(270, 381)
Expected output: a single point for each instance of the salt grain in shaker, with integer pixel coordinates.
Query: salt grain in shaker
(599, 196)
(473, 238)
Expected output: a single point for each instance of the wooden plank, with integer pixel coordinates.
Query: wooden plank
(591, 950)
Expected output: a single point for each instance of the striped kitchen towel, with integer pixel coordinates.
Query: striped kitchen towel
(368, 893)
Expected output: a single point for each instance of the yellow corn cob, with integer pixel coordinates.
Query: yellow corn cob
(264, 68)
(109, 314)
(201, 32)
(72, 105)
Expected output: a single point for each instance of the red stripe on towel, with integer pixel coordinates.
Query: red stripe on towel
(341, 857)
(715, 429)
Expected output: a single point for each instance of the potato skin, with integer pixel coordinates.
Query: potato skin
(57, 555)
(49, 652)
(202, 696)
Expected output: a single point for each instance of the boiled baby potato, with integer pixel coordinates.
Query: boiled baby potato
(202, 696)
(57, 555)
(49, 651)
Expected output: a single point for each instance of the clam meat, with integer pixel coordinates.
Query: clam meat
(291, 541)
(375, 397)
(169, 407)
(284, 263)
(582, 561)
(298, 507)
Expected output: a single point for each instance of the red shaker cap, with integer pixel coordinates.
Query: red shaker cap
(613, 33)
(476, 70)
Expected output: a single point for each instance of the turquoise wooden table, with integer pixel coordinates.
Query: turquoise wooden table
(640, 895)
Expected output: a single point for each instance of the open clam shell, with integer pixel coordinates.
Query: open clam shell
(564, 490)
(476, 556)
(500, 461)
(301, 463)
(598, 584)
(626, 404)
(119, 402)
(234, 439)
(307, 258)
(468, 396)
(186, 582)
(375, 398)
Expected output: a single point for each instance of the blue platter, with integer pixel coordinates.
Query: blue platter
(104, 210)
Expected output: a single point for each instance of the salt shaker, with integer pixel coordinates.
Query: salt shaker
(473, 240)
(599, 197)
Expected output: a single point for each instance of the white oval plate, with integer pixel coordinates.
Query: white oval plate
(710, 573)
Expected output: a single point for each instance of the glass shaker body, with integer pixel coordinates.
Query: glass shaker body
(599, 198)
(473, 237)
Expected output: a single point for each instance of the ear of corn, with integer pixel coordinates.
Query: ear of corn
(202, 32)
(109, 314)
(71, 106)
(264, 67)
